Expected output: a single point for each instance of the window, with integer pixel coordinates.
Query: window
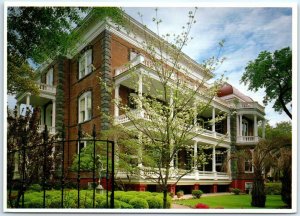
(85, 64)
(85, 107)
(49, 77)
(81, 145)
(248, 163)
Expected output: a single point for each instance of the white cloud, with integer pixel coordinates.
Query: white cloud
(247, 32)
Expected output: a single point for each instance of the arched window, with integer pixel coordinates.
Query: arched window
(85, 107)
(85, 64)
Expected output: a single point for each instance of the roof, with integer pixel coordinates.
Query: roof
(228, 89)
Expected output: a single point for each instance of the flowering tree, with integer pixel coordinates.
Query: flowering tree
(166, 104)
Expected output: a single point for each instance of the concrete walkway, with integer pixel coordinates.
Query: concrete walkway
(189, 196)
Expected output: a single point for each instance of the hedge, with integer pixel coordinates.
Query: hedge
(273, 188)
(129, 200)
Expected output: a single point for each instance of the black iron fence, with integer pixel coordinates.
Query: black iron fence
(53, 153)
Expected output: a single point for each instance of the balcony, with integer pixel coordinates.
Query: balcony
(51, 130)
(248, 139)
(137, 114)
(140, 59)
(251, 105)
(149, 173)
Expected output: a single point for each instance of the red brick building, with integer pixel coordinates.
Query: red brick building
(71, 94)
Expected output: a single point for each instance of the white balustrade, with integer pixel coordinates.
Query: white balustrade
(49, 128)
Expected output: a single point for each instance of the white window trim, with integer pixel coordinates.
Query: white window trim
(87, 68)
(84, 96)
(47, 77)
(78, 145)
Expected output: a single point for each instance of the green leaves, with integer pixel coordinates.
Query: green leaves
(272, 72)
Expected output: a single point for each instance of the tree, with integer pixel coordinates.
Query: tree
(273, 72)
(29, 154)
(273, 153)
(37, 34)
(163, 110)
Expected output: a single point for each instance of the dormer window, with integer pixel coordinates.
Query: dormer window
(85, 64)
(49, 77)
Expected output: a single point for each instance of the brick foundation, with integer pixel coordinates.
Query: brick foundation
(172, 188)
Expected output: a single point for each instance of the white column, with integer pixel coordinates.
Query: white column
(228, 124)
(27, 100)
(263, 128)
(229, 162)
(53, 112)
(117, 101)
(196, 161)
(140, 93)
(241, 125)
(255, 128)
(214, 159)
(214, 162)
(213, 121)
(237, 126)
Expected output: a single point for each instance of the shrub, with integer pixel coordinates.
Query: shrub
(171, 194)
(273, 188)
(125, 205)
(138, 203)
(35, 187)
(197, 193)
(104, 204)
(154, 202)
(126, 198)
(34, 202)
(160, 197)
(201, 206)
(236, 191)
(180, 193)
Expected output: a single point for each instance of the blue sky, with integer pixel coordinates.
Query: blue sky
(247, 32)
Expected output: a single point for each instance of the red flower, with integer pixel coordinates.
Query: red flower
(201, 206)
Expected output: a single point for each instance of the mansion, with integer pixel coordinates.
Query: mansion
(71, 95)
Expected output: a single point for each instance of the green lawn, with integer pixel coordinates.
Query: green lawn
(232, 202)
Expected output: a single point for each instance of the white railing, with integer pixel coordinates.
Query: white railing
(247, 139)
(250, 105)
(135, 114)
(49, 128)
(148, 173)
(139, 59)
(47, 88)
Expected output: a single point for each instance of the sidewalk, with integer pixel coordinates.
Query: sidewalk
(189, 196)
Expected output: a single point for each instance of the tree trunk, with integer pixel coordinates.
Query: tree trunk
(165, 192)
(258, 192)
(286, 189)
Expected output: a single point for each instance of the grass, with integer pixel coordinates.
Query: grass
(233, 202)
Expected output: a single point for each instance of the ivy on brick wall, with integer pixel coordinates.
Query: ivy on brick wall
(233, 144)
(60, 98)
(105, 78)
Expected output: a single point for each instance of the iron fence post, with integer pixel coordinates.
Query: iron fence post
(62, 166)
(94, 164)
(78, 167)
(112, 198)
(44, 165)
(107, 146)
